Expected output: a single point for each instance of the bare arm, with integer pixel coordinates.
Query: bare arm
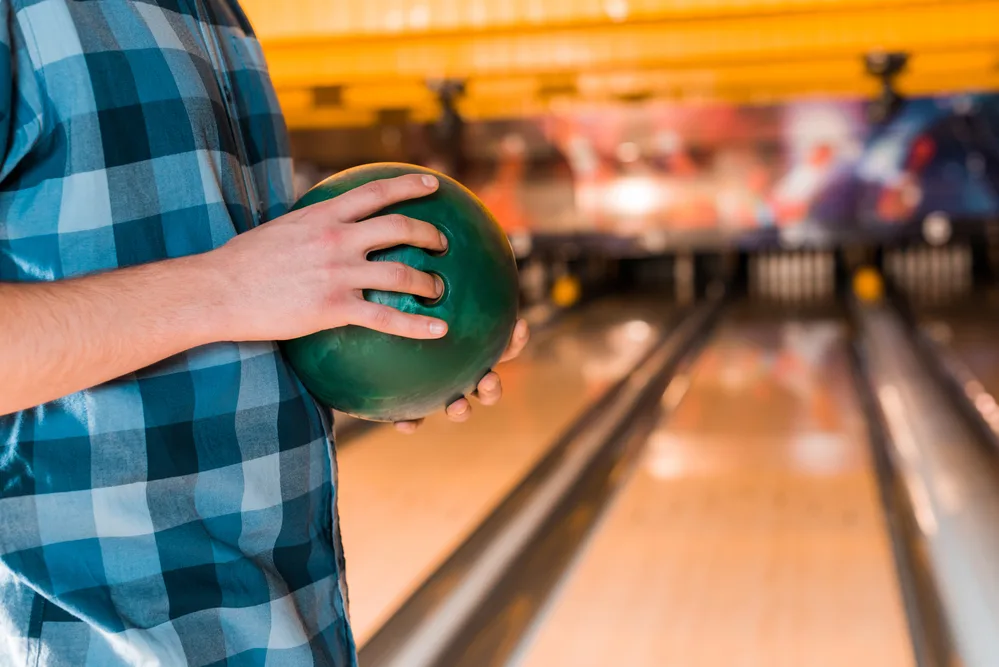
(291, 277)
(58, 338)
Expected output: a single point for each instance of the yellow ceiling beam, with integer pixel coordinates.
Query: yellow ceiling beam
(317, 119)
(318, 19)
(485, 109)
(775, 39)
(513, 97)
(399, 95)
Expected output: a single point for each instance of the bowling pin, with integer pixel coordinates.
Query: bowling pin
(825, 274)
(903, 269)
(808, 275)
(947, 271)
(924, 274)
(931, 281)
(895, 258)
(939, 292)
(954, 270)
(809, 280)
(940, 272)
(792, 287)
(966, 269)
(803, 275)
(786, 268)
(794, 278)
(820, 275)
(765, 274)
(774, 260)
(910, 271)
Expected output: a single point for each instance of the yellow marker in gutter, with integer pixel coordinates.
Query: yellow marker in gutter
(868, 286)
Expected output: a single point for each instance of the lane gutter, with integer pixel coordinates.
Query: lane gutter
(924, 611)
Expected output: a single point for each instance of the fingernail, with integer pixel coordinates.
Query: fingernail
(460, 410)
(439, 284)
(443, 241)
(438, 328)
(429, 181)
(490, 382)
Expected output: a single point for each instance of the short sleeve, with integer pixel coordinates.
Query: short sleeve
(6, 72)
(21, 93)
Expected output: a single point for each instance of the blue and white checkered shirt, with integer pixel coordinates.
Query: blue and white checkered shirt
(185, 513)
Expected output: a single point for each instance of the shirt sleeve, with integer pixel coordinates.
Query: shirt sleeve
(21, 93)
(6, 72)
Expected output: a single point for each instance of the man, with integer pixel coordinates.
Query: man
(167, 487)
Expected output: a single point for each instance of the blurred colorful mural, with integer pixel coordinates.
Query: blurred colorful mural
(714, 166)
(631, 169)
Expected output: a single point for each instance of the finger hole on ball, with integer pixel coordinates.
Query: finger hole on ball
(430, 302)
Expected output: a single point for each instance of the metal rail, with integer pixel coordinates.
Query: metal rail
(949, 483)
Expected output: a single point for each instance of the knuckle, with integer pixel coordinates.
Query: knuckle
(332, 277)
(401, 275)
(428, 232)
(377, 189)
(332, 236)
(399, 224)
(382, 318)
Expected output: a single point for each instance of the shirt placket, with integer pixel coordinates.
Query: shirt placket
(217, 57)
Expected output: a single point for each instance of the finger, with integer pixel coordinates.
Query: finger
(490, 389)
(372, 197)
(521, 335)
(387, 231)
(397, 277)
(391, 321)
(408, 427)
(459, 411)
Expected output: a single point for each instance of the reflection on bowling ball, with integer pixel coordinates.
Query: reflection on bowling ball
(380, 377)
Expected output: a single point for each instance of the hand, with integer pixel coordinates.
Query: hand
(305, 271)
(489, 391)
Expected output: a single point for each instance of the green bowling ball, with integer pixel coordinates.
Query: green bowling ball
(381, 377)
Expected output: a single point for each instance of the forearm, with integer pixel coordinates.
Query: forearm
(61, 337)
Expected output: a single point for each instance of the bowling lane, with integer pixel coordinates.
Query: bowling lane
(751, 531)
(407, 502)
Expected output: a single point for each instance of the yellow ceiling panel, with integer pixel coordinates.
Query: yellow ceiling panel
(503, 88)
(367, 18)
(776, 39)
(532, 94)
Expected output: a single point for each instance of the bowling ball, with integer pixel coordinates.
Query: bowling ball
(381, 377)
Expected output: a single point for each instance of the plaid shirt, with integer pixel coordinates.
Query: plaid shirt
(185, 513)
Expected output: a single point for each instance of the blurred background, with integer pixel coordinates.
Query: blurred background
(758, 243)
